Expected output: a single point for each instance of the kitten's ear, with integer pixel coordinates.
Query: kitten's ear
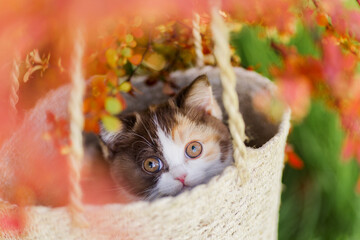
(199, 95)
(109, 139)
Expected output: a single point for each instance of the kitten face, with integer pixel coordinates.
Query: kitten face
(170, 147)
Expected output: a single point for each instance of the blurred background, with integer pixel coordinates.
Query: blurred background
(310, 49)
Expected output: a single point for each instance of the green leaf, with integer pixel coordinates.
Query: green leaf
(113, 105)
(111, 123)
(254, 51)
(129, 38)
(126, 52)
(304, 41)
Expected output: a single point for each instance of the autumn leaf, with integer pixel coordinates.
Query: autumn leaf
(111, 123)
(137, 32)
(338, 67)
(35, 63)
(292, 158)
(135, 59)
(155, 61)
(111, 57)
(125, 87)
(274, 14)
(296, 92)
(113, 105)
(58, 132)
(322, 19)
(126, 52)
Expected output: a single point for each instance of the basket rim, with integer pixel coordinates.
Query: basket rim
(283, 129)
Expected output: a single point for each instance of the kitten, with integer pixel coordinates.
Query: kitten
(170, 147)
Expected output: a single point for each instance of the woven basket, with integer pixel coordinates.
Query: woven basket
(226, 208)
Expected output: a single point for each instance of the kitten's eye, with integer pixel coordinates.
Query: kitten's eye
(152, 165)
(193, 149)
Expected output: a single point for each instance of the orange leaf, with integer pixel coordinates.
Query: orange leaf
(137, 32)
(322, 19)
(135, 59)
(86, 105)
(91, 125)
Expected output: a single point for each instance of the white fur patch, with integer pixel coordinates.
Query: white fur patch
(197, 171)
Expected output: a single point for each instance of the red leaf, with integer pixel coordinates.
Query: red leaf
(296, 92)
(270, 13)
(338, 67)
(293, 159)
(348, 148)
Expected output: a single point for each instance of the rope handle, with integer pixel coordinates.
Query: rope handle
(13, 98)
(197, 41)
(76, 119)
(15, 71)
(228, 80)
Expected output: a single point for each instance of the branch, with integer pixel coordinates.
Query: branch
(142, 58)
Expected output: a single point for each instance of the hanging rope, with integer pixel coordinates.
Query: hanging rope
(76, 126)
(197, 40)
(228, 80)
(14, 98)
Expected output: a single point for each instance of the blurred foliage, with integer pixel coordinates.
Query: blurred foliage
(246, 41)
(319, 202)
(304, 41)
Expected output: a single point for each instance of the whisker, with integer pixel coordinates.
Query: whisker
(141, 142)
(142, 138)
(152, 140)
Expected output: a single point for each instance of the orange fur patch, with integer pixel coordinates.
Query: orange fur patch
(186, 131)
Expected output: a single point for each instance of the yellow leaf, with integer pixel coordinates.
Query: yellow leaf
(125, 87)
(155, 61)
(113, 105)
(111, 57)
(111, 123)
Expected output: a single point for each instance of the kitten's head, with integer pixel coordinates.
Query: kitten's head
(170, 147)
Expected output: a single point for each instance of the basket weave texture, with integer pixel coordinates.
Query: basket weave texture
(226, 208)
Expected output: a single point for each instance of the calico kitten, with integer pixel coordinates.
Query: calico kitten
(170, 147)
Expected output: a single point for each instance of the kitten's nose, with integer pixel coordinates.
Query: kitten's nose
(182, 179)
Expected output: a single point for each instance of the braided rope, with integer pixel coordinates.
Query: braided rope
(76, 126)
(14, 98)
(197, 40)
(228, 81)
